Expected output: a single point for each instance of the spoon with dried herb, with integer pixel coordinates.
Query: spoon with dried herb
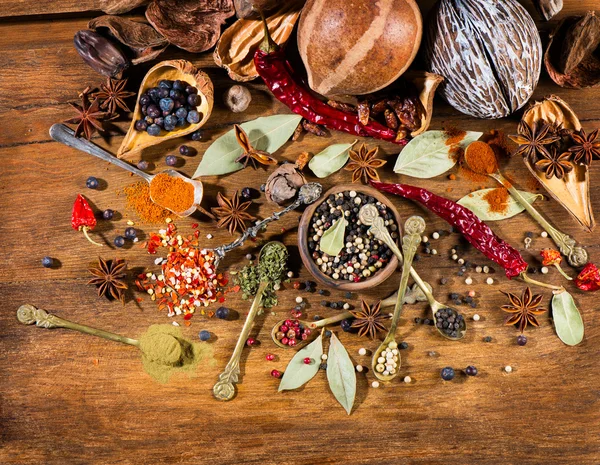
(272, 266)
(481, 158)
(284, 332)
(383, 368)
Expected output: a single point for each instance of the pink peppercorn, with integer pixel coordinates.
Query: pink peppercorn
(285, 341)
(304, 337)
(284, 328)
(291, 334)
(288, 323)
(275, 373)
(292, 342)
(270, 357)
(250, 341)
(471, 293)
(307, 361)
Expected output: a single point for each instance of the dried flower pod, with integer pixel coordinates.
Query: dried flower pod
(283, 184)
(489, 52)
(117, 7)
(237, 98)
(548, 8)
(189, 24)
(100, 54)
(237, 45)
(251, 8)
(572, 57)
(139, 39)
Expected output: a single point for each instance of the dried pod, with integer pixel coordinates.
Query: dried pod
(134, 140)
(251, 8)
(100, 54)
(117, 7)
(236, 47)
(572, 57)
(548, 8)
(189, 24)
(426, 84)
(573, 190)
(237, 98)
(283, 184)
(489, 52)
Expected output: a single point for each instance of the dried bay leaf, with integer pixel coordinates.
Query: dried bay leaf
(567, 319)
(476, 202)
(340, 374)
(267, 133)
(117, 7)
(141, 39)
(428, 155)
(330, 160)
(332, 240)
(298, 373)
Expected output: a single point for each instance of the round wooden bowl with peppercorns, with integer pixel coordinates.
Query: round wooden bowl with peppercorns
(364, 262)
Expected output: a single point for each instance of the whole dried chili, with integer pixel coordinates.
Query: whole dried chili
(273, 67)
(83, 218)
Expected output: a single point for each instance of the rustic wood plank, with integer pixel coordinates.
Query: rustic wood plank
(12, 8)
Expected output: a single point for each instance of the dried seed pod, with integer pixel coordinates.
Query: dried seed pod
(379, 106)
(341, 106)
(313, 128)
(363, 112)
(390, 119)
(489, 52)
(237, 98)
(580, 41)
(548, 8)
(100, 54)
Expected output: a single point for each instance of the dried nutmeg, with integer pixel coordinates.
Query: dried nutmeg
(237, 98)
(283, 184)
(100, 54)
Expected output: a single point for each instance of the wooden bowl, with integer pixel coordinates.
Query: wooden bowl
(374, 280)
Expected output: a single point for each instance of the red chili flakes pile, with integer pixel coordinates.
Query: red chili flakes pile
(188, 278)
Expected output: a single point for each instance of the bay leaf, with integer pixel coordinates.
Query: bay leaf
(332, 240)
(475, 201)
(266, 133)
(330, 160)
(298, 373)
(428, 155)
(340, 374)
(567, 319)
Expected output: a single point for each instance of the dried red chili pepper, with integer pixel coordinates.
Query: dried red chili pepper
(83, 218)
(589, 278)
(275, 70)
(553, 257)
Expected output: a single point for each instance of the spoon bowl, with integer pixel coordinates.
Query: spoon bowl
(312, 325)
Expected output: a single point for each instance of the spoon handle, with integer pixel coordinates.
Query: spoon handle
(223, 389)
(327, 321)
(28, 315)
(65, 135)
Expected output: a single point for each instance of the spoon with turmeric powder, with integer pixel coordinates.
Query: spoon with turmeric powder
(169, 189)
(480, 158)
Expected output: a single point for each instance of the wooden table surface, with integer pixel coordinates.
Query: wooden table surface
(67, 398)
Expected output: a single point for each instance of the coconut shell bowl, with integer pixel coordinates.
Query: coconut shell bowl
(304, 229)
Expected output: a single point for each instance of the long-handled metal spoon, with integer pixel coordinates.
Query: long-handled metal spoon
(370, 216)
(312, 325)
(224, 388)
(413, 228)
(28, 315)
(63, 134)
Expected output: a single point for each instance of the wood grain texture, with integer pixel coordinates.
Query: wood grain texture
(67, 398)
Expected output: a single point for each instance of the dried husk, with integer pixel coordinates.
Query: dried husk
(192, 25)
(140, 39)
(135, 141)
(548, 8)
(426, 83)
(237, 45)
(573, 191)
(572, 40)
(252, 8)
(117, 7)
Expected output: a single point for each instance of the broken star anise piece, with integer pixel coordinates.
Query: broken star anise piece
(250, 154)
(90, 116)
(533, 140)
(555, 164)
(232, 213)
(364, 164)
(368, 319)
(108, 278)
(113, 95)
(523, 310)
(587, 146)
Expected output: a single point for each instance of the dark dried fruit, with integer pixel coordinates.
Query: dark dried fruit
(100, 54)
(580, 41)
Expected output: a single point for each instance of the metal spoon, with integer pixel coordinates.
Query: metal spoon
(224, 388)
(65, 135)
(369, 215)
(307, 324)
(28, 315)
(413, 228)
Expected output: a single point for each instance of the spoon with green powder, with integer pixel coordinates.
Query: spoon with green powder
(271, 268)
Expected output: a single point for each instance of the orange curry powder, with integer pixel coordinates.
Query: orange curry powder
(172, 193)
(138, 200)
(497, 200)
(481, 158)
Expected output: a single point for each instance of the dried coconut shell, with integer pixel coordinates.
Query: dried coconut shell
(192, 25)
(143, 41)
(236, 47)
(572, 192)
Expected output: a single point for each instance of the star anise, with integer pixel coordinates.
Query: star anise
(523, 310)
(108, 278)
(250, 154)
(364, 164)
(232, 213)
(89, 117)
(554, 164)
(587, 146)
(113, 95)
(369, 320)
(533, 140)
